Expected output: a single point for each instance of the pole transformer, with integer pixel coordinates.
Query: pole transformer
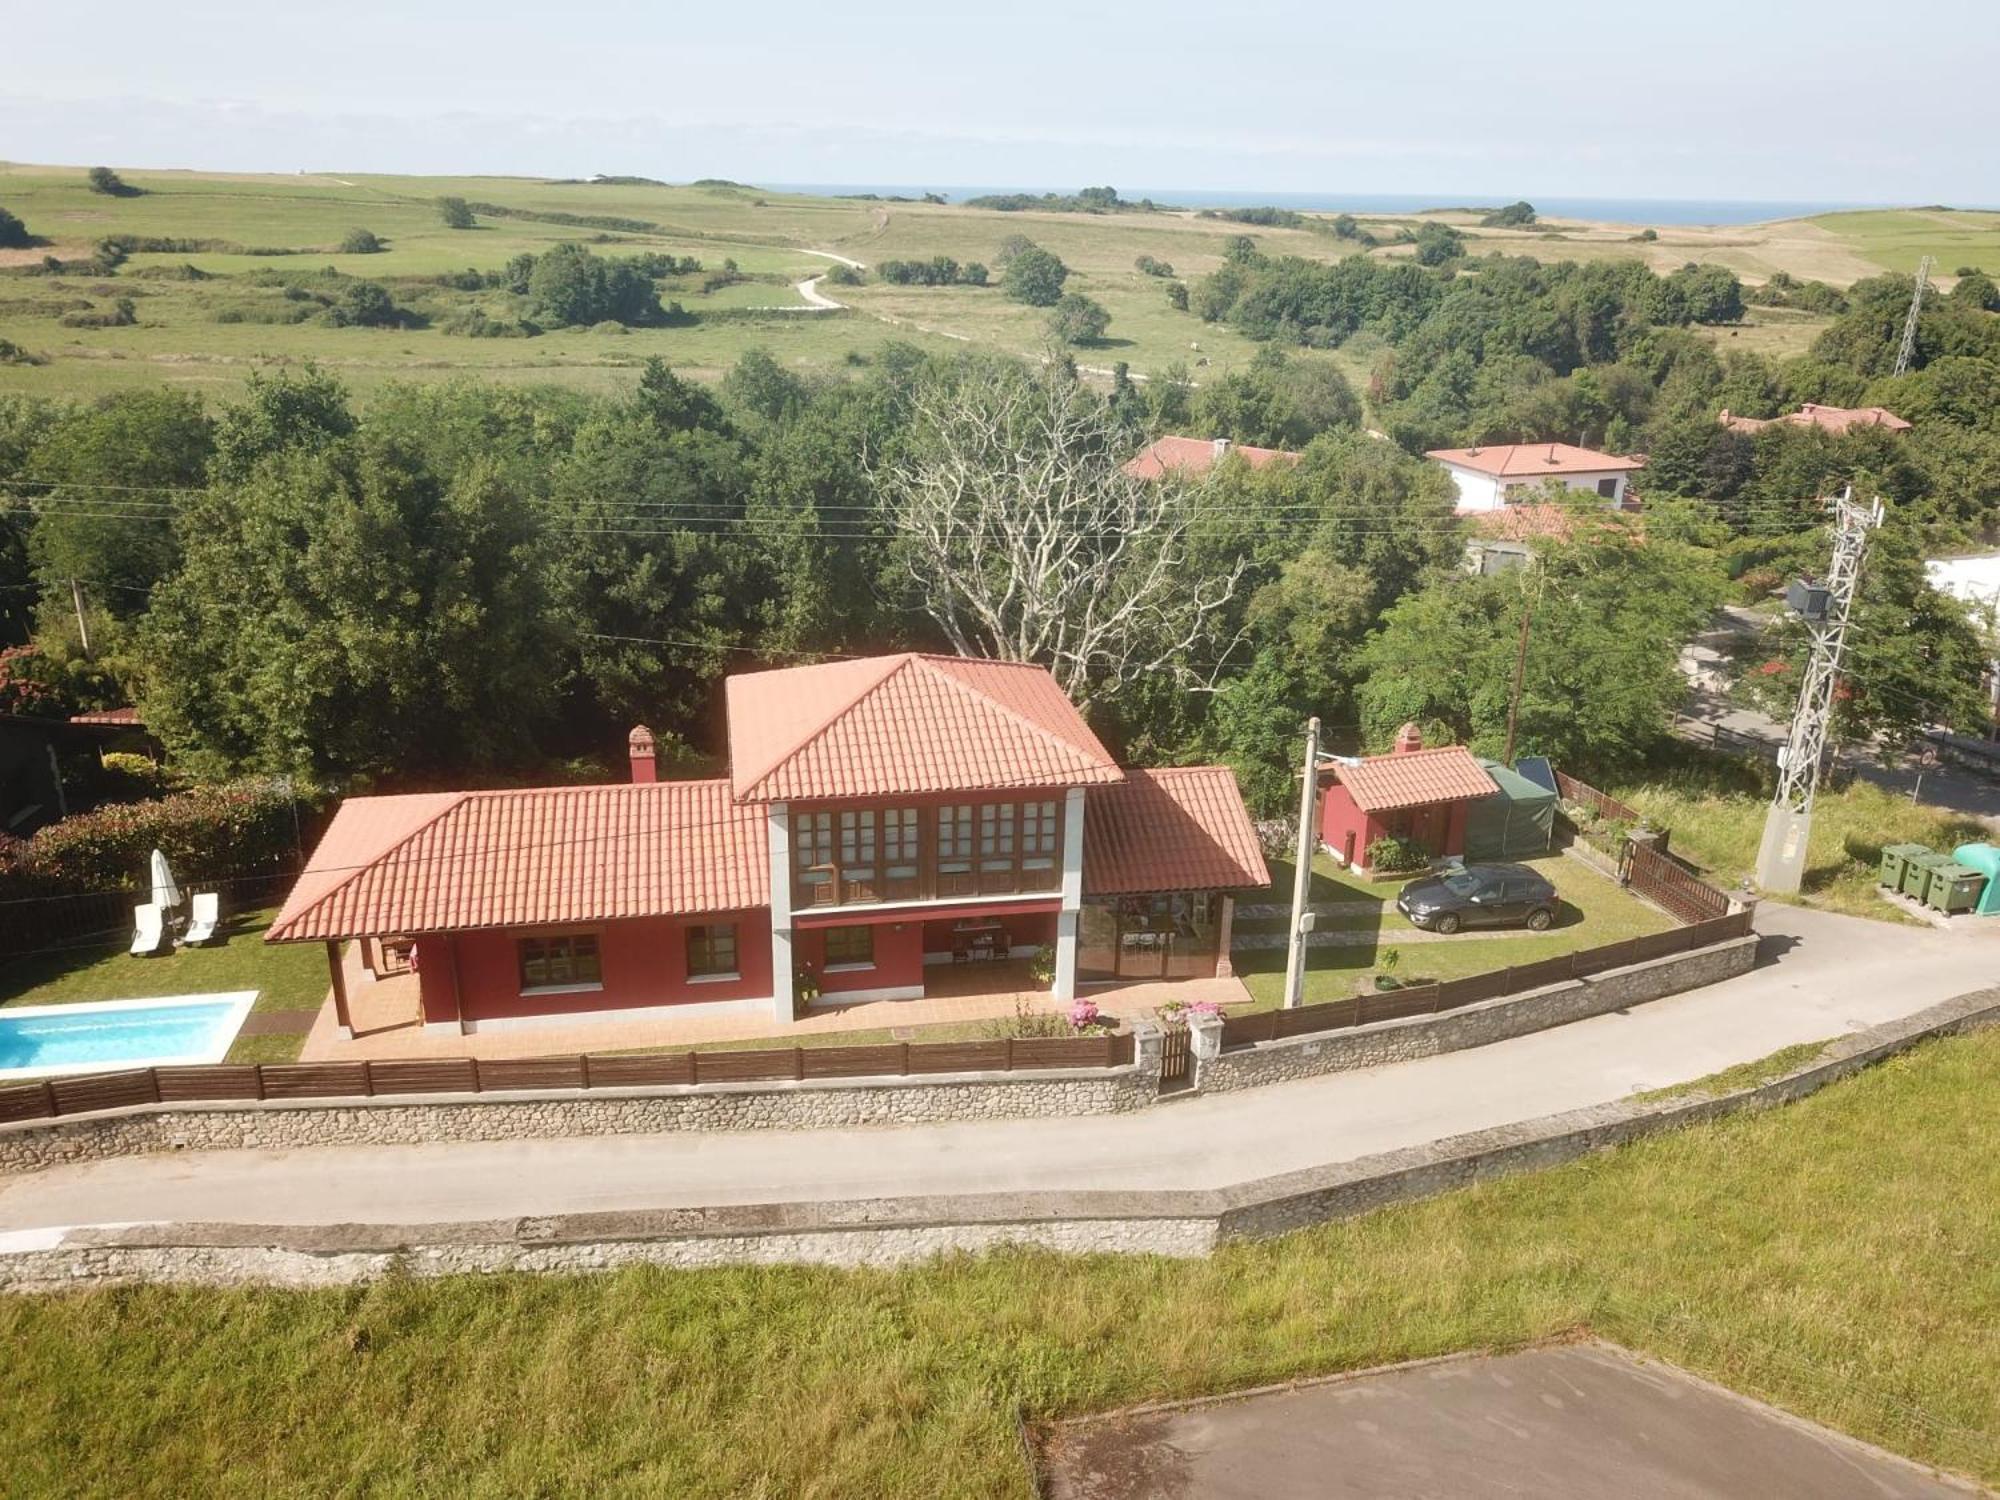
(1909, 349)
(1781, 861)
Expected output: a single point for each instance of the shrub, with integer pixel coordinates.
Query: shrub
(1077, 319)
(456, 213)
(209, 833)
(104, 180)
(1391, 855)
(1042, 965)
(1513, 216)
(121, 314)
(843, 275)
(13, 233)
(12, 353)
(1148, 266)
(1035, 277)
(361, 242)
(125, 777)
(1177, 296)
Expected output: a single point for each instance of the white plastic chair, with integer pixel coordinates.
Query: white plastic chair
(203, 912)
(149, 930)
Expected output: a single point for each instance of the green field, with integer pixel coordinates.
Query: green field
(1834, 1257)
(179, 341)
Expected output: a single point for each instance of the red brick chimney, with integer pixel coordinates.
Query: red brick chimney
(1409, 738)
(645, 766)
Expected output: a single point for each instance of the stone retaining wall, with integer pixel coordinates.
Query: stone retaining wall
(893, 1231)
(385, 1121)
(1315, 1053)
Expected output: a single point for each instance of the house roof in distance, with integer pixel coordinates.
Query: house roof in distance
(1812, 414)
(1414, 778)
(453, 861)
(1535, 460)
(903, 726)
(1181, 828)
(1521, 523)
(110, 718)
(1196, 456)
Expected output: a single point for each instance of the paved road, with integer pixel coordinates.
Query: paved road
(1824, 975)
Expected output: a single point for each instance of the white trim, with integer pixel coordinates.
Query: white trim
(434, 1028)
(855, 968)
(584, 988)
(238, 1002)
(752, 1006)
(856, 908)
(714, 978)
(778, 842)
(839, 998)
(1063, 987)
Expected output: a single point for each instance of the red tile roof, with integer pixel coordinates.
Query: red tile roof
(1417, 778)
(124, 718)
(905, 725)
(1195, 456)
(1532, 460)
(1832, 418)
(1182, 828)
(449, 861)
(1520, 523)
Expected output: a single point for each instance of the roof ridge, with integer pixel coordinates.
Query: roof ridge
(359, 868)
(1048, 736)
(901, 660)
(586, 786)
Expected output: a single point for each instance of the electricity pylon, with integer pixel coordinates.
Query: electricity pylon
(1909, 349)
(1781, 861)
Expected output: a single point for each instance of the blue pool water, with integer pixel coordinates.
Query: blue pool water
(86, 1037)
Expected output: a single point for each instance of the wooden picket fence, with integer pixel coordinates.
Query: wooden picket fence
(49, 1098)
(1453, 994)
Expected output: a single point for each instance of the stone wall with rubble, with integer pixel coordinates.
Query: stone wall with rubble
(1314, 1053)
(32, 1144)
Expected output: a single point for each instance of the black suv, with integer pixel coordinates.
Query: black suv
(1480, 896)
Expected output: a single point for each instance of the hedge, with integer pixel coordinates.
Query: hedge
(211, 833)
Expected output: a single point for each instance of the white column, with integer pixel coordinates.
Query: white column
(778, 828)
(1072, 896)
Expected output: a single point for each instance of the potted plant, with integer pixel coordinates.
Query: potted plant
(1042, 965)
(805, 984)
(1386, 964)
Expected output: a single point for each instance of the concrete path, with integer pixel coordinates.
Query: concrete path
(1824, 975)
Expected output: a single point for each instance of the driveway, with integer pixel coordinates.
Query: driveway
(1821, 976)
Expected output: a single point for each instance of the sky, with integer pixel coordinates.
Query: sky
(1749, 99)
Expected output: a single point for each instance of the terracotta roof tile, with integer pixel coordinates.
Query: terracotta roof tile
(121, 717)
(1182, 828)
(1531, 460)
(901, 725)
(1519, 523)
(1196, 456)
(450, 861)
(1383, 783)
(1812, 414)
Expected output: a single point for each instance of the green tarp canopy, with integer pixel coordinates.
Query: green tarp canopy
(1517, 822)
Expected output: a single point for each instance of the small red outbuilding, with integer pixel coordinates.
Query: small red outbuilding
(1418, 795)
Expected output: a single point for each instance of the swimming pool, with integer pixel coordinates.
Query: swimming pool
(39, 1041)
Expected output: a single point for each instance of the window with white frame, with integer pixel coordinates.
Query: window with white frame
(1039, 835)
(812, 846)
(954, 837)
(996, 835)
(857, 842)
(899, 841)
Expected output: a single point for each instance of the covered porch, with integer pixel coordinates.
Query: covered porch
(387, 1018)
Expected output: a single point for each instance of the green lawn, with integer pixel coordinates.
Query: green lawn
(1719, 829)
(1898, 238)
(286, 976)
(1834, 1257)
(1594, 912)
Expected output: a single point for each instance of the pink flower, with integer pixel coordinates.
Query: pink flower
(1083, 1013)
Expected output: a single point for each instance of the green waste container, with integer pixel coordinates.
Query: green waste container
(1917, 873)
(1894, 857)
(1954, 887)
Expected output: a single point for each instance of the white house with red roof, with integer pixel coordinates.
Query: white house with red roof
(1510, 473)
(1193, 457)
(881, 816)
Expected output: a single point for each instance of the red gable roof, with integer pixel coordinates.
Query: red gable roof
(1415, 778)
(1811, 414)
(121, 718)
(1196, 456)
(905, 725)
(1534, 460)
(1182, 828)
(449, 861)
(1520, 523)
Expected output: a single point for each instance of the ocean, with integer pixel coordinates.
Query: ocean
(1609, 210)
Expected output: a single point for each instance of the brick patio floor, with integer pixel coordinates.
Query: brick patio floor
(388, 1023)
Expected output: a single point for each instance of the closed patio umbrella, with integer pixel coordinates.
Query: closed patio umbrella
(166, 894)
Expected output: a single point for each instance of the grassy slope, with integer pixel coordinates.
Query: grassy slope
(286, 977)
(1896, 239)
(178, 341)
(1834, 1257)
(1720, 831)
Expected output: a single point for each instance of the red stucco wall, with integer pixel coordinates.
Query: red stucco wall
(899, 958)
(644, 962)
(1442, 833)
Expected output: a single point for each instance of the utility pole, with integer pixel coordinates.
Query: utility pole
(1295, 952)
(1520, 676)
(82, 624)
(1781, 860)
(1909, 349)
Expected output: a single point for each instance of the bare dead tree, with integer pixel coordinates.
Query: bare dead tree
(1028, 541)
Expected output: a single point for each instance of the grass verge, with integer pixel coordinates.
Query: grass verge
(1746, 1075)
(1833, 1257)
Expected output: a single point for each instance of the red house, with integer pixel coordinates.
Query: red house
(881, 816)
(1415, 794)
